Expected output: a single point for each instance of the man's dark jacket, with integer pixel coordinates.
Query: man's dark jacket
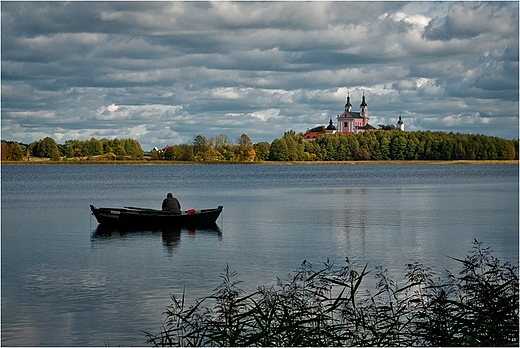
(171, 204)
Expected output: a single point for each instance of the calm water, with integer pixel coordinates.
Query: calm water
(65, 284)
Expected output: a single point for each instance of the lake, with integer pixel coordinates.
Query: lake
(66, 284)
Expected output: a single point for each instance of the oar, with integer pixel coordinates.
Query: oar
(150, 210)
(146, 209)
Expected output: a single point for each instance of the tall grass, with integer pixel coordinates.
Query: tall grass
(328, 307)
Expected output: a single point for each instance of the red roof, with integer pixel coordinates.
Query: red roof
(312, 135)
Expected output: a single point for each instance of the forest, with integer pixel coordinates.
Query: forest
(381, 145)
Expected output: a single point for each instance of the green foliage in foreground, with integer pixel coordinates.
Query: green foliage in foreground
(477, 307)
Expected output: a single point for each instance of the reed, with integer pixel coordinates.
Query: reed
(331, 307)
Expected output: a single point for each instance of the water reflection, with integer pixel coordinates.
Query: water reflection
(171, 236)
(354, 218)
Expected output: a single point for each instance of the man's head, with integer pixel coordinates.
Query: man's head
(169, 194)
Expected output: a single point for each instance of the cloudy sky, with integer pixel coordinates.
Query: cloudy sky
(163, 72)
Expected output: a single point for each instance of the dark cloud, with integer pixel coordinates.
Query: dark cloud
(163, 72)
(471, 19)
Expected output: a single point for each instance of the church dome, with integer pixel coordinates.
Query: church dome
(331, 126)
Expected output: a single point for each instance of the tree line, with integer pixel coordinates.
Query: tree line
(385, 145)
(104, 149)
(381, 145)
(215, 149)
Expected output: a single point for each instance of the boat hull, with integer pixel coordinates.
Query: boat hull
(139, 217)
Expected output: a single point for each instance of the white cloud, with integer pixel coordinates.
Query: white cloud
(138, 131)
(112, 107)
(265, 115)
(228, 93)
(418, 21)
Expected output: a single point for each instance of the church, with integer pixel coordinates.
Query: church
(348, 122)
(354, 122)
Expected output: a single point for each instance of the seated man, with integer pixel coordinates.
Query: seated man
(171, 204)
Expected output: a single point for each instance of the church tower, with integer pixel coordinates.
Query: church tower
(348, 106)
(400, 124)
(364, 108)
(330, 128)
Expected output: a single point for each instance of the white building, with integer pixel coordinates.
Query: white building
(400, 124)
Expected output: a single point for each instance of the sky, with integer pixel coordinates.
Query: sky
(165, 72)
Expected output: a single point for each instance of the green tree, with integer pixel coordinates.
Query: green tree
(446, 146)
(384, 139)
(155, 155)
(279, 151)
(75, 148)
(169, 154)
(119, 151)
(245, 150)
(46, 148)
(410, 151)
(459, 149)
(15, 152)
(5, 150)
(361, 153)
(107, 145)
(368, 140)
(348, 148)
(132, 148)
(223, 148)
(295, 146)
(12, 151)
(316, 129)
(507, 150)
(328, 145)
(94, 147)
(312, 150)
(262, 150)
(183, 152)
(425, 145)
(398, 147)
(201, 148)
(227, 152)
(186, 153)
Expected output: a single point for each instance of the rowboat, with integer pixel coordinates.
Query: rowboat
(132, 216)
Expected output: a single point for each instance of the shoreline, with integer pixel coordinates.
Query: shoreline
(157, 162)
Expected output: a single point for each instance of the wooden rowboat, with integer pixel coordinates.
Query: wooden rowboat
(132, 216)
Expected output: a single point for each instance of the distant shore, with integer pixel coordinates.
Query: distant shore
(40, 161)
